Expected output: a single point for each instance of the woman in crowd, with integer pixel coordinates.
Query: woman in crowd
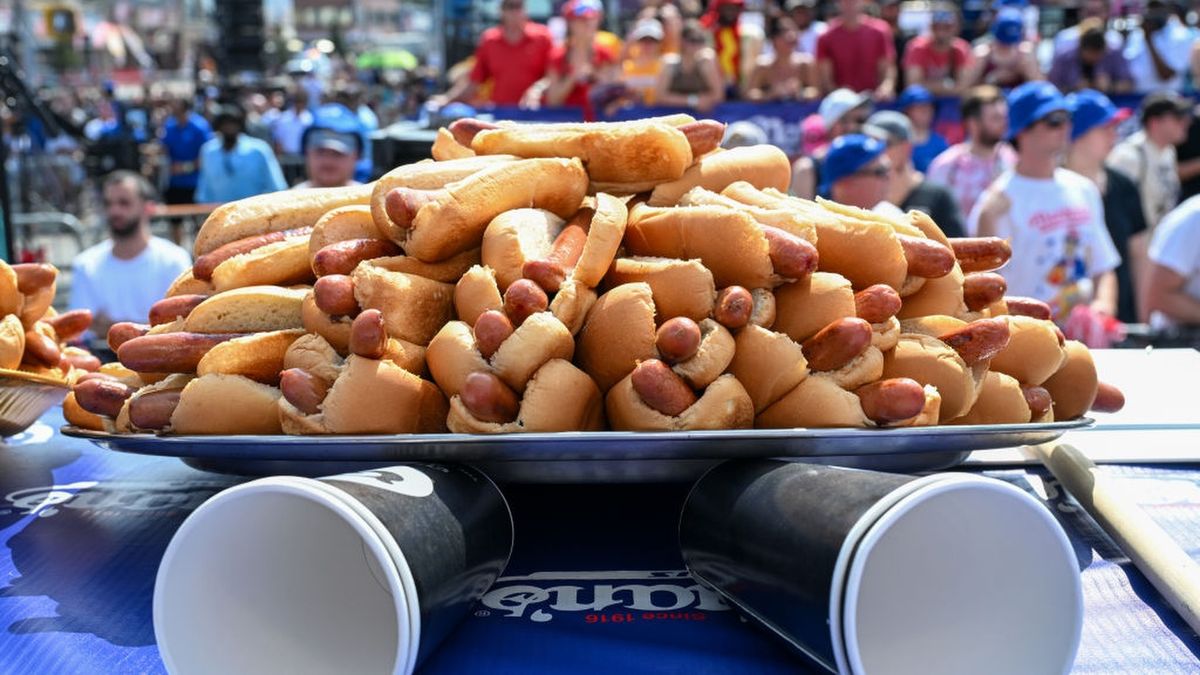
(1007, 60)
(691, 78)
(581, 63)
(785, 74)
(1091, 63)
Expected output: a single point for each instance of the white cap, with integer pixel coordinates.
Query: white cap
(647, 28)
(838, 103)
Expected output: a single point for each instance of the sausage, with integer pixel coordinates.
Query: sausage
(81, 360)
(791, 256)
(491, 329)
(41, 349)
(981, 289)
(1028, 307)
(203, 268)
(551, 272)
(979, 340)
(523, 298)
(334, 295)
(368, 337)
(926, 258)
(169, 352)
(837, 344)
(489, 399)
(981, 254)
(661, 389)
(94, 376)
(70, 325)
(102, 396)
(465, 129)
(1109, 399)
(303, 390)
(1037, 398)
(174, 307)
(734, 307)
(893, 400)
(153, 410)
(124, 331)
(33, 277)
(763, 313)
(678, 339)
(342, 257)
(876, 304)
(703, 135)
(401, 204)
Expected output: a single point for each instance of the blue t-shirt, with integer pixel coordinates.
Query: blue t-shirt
(183, 143)
(249, 169)
(932, 147)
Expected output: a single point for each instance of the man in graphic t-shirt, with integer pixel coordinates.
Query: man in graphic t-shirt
(1062, 252)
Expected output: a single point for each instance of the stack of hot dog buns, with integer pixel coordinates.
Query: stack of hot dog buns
(559, 277)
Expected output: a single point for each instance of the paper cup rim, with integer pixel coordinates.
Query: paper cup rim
(849, 550)
(408, 587)
(951, 482)
(367, 534)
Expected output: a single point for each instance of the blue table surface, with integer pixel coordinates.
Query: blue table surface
(84, 529)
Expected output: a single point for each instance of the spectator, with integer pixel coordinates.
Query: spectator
(254, 124)
(842, 112)
(332, 146)
(1094, 121)
(743, 134)
(1148, 156)
(737, 44)
(908, 188)
(804, 14)
(889, 13)
(640, 69)
(233, 165)
(1007, 60)
(1099, 10)
(1053, 217)
(918, 104)
(691, 78)
(857, 171)
(939, 61)
(581, 62)
(669, 17)
(787, 74)
(510, 57)
(184, 133)
(1172, 295)
(857, 53)
(1158, 53)
(968, 168)
(1187, 154)
(121, 277)
(1091, 64)
(290, 125)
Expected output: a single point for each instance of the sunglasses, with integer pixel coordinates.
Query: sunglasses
(874, 172)
(512, 7)
(1056, 120)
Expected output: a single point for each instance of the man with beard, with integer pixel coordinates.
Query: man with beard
(235, 165)
(969, 167)
(121, 277)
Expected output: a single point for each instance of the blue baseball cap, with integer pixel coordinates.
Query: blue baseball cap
(1008, 28)
(1091, 109)
(335, 127)
(1031, 102)
(846, 156)
(914, 94)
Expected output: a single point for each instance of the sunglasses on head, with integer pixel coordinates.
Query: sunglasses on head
(1056, 119)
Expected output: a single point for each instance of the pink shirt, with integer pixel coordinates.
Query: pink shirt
(968, 175)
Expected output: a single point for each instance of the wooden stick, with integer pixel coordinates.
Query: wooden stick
(1157, 555)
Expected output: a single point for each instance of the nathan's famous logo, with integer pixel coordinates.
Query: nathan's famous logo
(666, 594)
(125, 496)
(403, 480)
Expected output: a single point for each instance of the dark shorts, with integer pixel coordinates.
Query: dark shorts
(180, 195)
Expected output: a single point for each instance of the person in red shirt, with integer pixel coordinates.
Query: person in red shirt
(857, 53)
(581, 63)
(512, 56)
(939, 61)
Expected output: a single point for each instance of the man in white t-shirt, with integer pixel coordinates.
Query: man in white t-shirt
(1173, 287)
(1158, 53)
(1148, 156)
(1062, 252)
(121, 277)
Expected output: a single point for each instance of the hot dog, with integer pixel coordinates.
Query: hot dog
(33, 277)
(837, 344)
(926, 258)
(368, 338)
(81, 359)
(175, 307)
(41, 349)
(661, 389)
(979, 340)
(1038, 400)
(1028, 307)
(153, 410)
(169, 352)
(102, 395)
(550, 272)
(981, 289)
(343, 256)
(891, 400)
(124, 331)
(489, 399)
(981, 254)
(203, 268)
(791, 257)
(876, 304)
(303, 390)
(70, 325)
(1109, 399)
(677, 339)
(334, 295)
(734, 307)
(523, 298)
(491, 329)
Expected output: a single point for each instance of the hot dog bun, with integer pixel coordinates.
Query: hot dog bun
(816, 402)
(559, 397)
(1073, 386)
(678, 287)
(274, 212)
(248, 310)
(728, 242)
(943, 296)
(763, 166)
(447, 271)
(1000, 401)
(446, 148)
(12, 342)
(711, 359)
(226, 404)
(186, 284)
(453, 354)
(515, 236)
(82, 419)
(619, 332)
(281, 263)
(413, 307)
(724, 405)
(258, 356)
(572, 303)
(10, 297)
(768, 364)
(475, 293)
(422, 176)
(804, 307)
(930, 361)
(1033, 353)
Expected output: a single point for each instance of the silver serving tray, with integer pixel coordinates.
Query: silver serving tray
(588, 456)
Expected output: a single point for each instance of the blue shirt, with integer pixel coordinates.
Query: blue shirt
(932, 147)
(183, 143)
(250, 169)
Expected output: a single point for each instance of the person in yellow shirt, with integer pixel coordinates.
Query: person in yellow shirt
(643, 61)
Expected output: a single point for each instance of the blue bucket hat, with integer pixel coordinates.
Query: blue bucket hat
(1031, 102)
(847, 155)
(1008, 28)
(914, 94)
(1091, 109)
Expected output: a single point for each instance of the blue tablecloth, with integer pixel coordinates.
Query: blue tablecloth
(595, 585)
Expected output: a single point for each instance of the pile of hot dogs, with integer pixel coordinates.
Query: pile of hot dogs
(33, 336)
(564, 277)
